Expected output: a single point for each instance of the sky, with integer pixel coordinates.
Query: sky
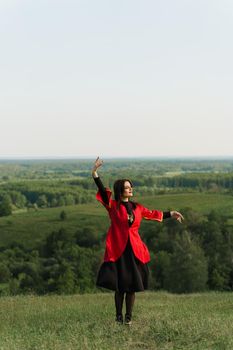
(126, 78)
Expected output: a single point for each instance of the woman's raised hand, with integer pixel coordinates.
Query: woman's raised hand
(178, 216)
(97, 164)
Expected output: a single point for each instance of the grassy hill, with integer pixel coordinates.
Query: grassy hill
(160, 321)
(31, 227)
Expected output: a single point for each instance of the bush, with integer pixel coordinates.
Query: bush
(63, 215)
(5, 206)
(5, 273)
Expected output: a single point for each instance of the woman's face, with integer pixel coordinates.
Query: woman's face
(128, 190)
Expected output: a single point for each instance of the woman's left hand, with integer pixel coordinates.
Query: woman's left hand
(176, 215)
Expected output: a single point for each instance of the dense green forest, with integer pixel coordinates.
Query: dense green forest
(52, 231)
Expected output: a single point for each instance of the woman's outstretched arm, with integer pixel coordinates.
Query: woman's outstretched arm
(160, 215)
(173, 214)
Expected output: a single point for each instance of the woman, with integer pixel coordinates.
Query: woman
(125, 268)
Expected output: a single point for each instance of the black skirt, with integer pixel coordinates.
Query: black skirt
(127, 274)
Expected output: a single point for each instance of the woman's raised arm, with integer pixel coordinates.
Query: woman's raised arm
(98, 182)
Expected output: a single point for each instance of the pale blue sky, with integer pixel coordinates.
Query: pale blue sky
(116, 78)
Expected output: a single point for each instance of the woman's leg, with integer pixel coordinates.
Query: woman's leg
(119, 299)
(129, 300)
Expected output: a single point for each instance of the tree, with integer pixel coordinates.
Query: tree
(18, 199)
(217, 242)
(188, 269)
(56, 241)
(87, 237)
(5, 273)
(5, 206)
(159, 266)
(42, 201)
(66, 280)
(63, 215)
(69, 199)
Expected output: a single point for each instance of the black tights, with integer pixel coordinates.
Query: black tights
(129, 302)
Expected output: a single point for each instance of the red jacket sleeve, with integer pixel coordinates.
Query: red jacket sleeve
(151, 214)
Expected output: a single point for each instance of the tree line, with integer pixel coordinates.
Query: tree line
(196, 180)
(45, 194)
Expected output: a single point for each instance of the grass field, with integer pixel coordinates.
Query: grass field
(160, 321)
(31, 227)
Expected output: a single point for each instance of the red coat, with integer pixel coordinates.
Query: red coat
(119, 231)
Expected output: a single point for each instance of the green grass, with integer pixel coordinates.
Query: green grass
(33, 226)
(201, 202)
(160, 321)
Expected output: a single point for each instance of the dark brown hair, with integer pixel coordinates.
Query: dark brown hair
(119, 190)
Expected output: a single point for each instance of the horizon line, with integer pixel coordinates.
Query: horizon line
(4, 158)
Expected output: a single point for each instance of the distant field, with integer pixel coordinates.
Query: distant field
(85, 322)
(201, 202)
(33, 226)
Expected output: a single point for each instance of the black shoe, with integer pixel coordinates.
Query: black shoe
(128, 321)
(119, 319)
